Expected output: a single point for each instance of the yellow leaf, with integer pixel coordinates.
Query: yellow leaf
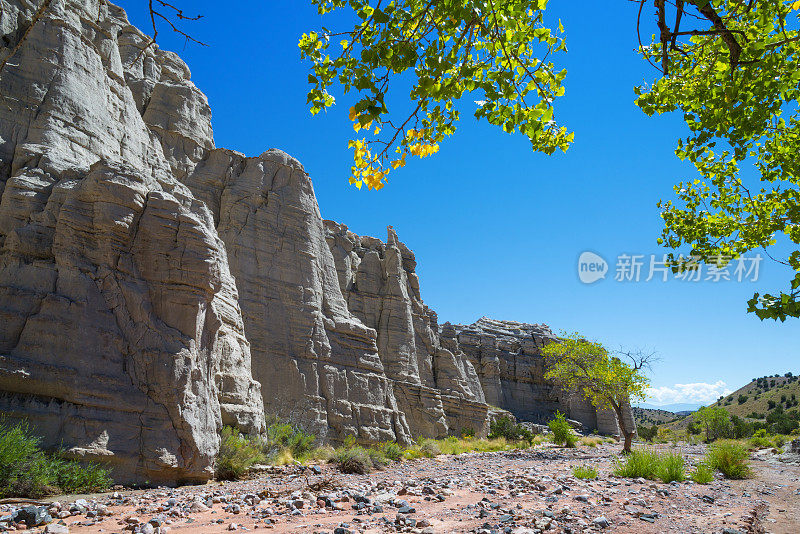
(353, 114)
(377, 130)
(356, 126)
(796, 5)
(344, 44)
(358, 184)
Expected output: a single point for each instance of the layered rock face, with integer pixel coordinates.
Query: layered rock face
(121, 336)
(439, 392)
(448, 377)
(135, 256)
(507, 356)
(154, 287)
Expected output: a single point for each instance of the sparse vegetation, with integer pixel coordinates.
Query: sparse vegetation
(671, 467)
(729, 458)
(702, 474)
(237, 454)
(638, 463)
(353, 459)
(505, 427)
(28, 471)
(286, 442)
(562, 431)
(585, 472)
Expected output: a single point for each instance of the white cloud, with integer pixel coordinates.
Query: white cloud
(697, 393)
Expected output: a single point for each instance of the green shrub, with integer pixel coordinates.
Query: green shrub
(642, 463)
(237, 453)
(584, 472)
(282, 436)
(562, 431)
(429, 448)
(27, 471)
(392, 451)
(377, 458)
(353, 459)
(760, 439)
(671, 467)
(702, 474)
(467, 432)
(729, 458)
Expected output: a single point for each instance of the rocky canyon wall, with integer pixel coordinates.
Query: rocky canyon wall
(154, 288)
(446, 376)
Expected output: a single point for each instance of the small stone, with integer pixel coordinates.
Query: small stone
(56, 528)
(708, 498)
(601, 522)
(233, 526)
(198, 507)
(407, 510)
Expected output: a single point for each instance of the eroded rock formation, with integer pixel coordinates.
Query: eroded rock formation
(448, 377)
(121, 335)
(154, 287)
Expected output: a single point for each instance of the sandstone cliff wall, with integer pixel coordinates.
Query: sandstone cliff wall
(121, 334)
(444, 377)
(154, 287)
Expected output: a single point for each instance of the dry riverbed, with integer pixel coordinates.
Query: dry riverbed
(520, 492)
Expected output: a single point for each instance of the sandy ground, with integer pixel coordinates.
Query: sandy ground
(520, 492)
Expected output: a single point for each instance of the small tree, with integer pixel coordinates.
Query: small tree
(608, 382)
(716, 420)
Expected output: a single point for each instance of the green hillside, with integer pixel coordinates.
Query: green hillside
(651, 416)
(756, 399)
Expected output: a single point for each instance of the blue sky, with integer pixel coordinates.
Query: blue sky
(498, 229)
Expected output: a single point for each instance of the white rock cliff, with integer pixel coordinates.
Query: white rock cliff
(154, 288)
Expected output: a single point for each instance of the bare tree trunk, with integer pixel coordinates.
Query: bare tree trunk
(627, 434)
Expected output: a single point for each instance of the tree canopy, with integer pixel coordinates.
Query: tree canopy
(498, 50)
(737, 85)
(730, 66)
(586, 367)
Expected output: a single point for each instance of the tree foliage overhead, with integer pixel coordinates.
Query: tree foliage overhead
(497, 50)
(732, 67)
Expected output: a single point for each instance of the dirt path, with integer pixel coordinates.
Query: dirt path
(520, 492)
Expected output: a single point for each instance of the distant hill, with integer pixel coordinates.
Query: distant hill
(758, 397)
(649, 416)
(675, 408)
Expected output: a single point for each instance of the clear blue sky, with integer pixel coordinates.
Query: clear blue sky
(497, 229)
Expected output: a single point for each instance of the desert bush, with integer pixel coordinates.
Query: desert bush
(585, 472)
(664, 435)
(28, 471)
(642, 463)
(352, 459)
(729, 458)
(392, 451)
(377, 458)
(505, 427)
(467, 432)
(760, 440)
(671, 467)
(702, 474)
(237, 453)
(429, 448)
(283, 436)
(592, 441)
(562, 431)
